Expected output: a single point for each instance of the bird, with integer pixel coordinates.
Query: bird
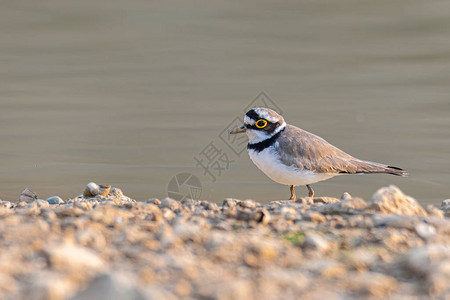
(295, 157)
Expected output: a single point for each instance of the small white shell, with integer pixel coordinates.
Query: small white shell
(92, 189)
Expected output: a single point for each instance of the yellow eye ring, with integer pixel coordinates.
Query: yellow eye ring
(261, 123)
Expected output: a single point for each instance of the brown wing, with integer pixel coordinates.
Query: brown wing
(305, 150)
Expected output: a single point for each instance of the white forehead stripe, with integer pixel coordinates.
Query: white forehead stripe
(281, 127)
(249, 121)
(265, 115)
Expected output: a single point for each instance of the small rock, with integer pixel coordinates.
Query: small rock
(425, 231)
(225, 290)
(395, 221)
(327, 268)
(169, 203)
(188, 232)
(346, 197)
(153, 201)
(424, 261)
(314, 216)
(445, 207)
(361, 259)
(91, 238)
(49, 285)
(228, 202)
(73, 259)
(104, 189)
(304, 200)
(20, 204)
(316, 242)
(168, 214)
(28, 196)
(434, 211)
(54, 200)
(263, 216)
(83, 204)
(350, 206)
(373, 284)
(6, 204)
(325, 200)
(115, 192)
(391, 200)
(247, 204)
(289, 213)
(41, 203)
(246, 215)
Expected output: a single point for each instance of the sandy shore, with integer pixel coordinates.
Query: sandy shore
(113, 246)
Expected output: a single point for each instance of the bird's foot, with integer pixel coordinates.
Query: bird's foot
(292, 193)
(310, 191)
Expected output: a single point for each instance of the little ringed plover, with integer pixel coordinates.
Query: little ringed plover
(292, 156)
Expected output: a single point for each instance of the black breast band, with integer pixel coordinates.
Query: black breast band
(258, 147)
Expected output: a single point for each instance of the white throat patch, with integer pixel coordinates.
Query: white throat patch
(256, 136)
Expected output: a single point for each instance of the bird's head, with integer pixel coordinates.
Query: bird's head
(260, 123)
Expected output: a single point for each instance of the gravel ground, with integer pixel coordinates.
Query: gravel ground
(104, 245)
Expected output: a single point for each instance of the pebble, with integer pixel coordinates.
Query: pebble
(372, 284)
(445, 207)
(391, 200)
(169, 203)
(73, 259)
(425, 231)
(316, 242)
(6, 204)
(350, 206)
(49, 285)
(395, 221)
(55, 200)
(314, 216)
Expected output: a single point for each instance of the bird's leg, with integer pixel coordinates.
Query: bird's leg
(292, 193)
(310, 190)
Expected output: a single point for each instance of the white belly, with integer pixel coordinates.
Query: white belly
(268, 161)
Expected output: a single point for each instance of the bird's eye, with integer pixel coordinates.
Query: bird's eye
(261, 123)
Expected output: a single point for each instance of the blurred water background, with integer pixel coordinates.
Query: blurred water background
(129, 92)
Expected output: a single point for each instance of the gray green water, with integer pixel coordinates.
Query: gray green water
(128, 92)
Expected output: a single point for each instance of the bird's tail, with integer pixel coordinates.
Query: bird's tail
(373, 167)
